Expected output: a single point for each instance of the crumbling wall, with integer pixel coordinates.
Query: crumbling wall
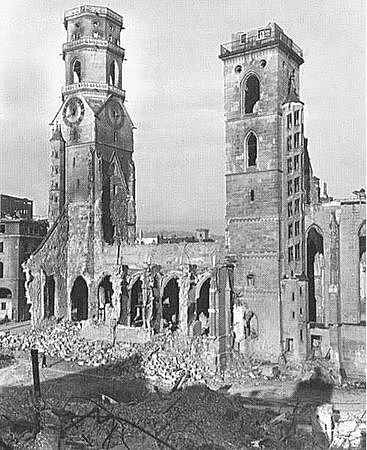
(49, 259)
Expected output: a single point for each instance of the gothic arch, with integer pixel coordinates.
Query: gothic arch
(171, 301)
(200, 283)
(251, 149)
(362, 270)
(136, 304)
(250, 92)
(165, 280)
(79, 299)
(113, 73)
(134, 278)
(315, 273)
(76, 71)
(5, 293)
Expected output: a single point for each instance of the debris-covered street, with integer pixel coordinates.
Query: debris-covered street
(163, 395)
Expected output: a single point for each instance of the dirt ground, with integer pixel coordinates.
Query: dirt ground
(235, 416)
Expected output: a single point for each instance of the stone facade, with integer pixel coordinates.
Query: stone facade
(288, 280)
(299, 258)
(20, 235)
(89, 266)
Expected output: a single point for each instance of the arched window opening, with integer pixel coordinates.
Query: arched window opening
(251, 327)
(114, 73)
(315, 275)
(79, 300)
(252, 195)
(5, 293)
(105, 292)
(201, 324)
(77, 68)
(250, 280)
(252, 94)
(49, 297)
(251, 150)
(1, 270)
(136, 309)
(124, 297)
(170, 304)
(362, 272)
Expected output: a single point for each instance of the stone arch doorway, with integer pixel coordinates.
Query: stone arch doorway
(49, 297)
(170, 304)
(315, 275)
(79, 300)
(201, 306)
(136, 308)
(105, 293)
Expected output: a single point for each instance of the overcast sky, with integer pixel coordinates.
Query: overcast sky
(174, 90)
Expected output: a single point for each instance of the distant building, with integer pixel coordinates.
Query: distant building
(20, 235)
(15, 207)
(202, 234)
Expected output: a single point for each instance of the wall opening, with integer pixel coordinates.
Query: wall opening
(170, 304)
(5, 293)
(124, 298)
(136, 309)
(79, 300)
(202, 307)
(315, 275)
(105, 293)
(114, 73)
(49, 297)
(252, 94)
(251, 326)
(251, 146)
(77, 71)
(362, 272)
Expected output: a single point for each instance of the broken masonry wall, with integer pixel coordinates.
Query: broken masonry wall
(294, 317)
(256, 305)
(353, 215)
(49, 259)
(320, 217)
(353, 345)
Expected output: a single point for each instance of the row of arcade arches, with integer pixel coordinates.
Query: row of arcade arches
(164, 303)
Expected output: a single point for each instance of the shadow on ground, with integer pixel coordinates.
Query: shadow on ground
(106, 406)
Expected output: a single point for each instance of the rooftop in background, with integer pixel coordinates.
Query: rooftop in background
(269, 36)
(15, 207)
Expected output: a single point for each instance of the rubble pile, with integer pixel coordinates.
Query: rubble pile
(350, 431)
(325, 369)
(171, 357)
(62, 340)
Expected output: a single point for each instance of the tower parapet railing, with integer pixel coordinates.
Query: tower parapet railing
(101, 10)
(263, 38)
(97, 42)
(86, 85)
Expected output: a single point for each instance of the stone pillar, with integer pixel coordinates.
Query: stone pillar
(184, 283)
(116, 286)
(213, 305)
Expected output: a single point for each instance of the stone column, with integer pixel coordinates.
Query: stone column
(184, 283)
(213, 305)
(116, 286)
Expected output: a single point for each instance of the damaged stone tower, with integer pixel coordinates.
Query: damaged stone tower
(261, 79)
(92, 143)
(92, 173)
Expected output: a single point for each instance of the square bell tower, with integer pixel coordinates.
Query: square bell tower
(257, 68)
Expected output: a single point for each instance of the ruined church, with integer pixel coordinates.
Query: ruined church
(289, 280)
